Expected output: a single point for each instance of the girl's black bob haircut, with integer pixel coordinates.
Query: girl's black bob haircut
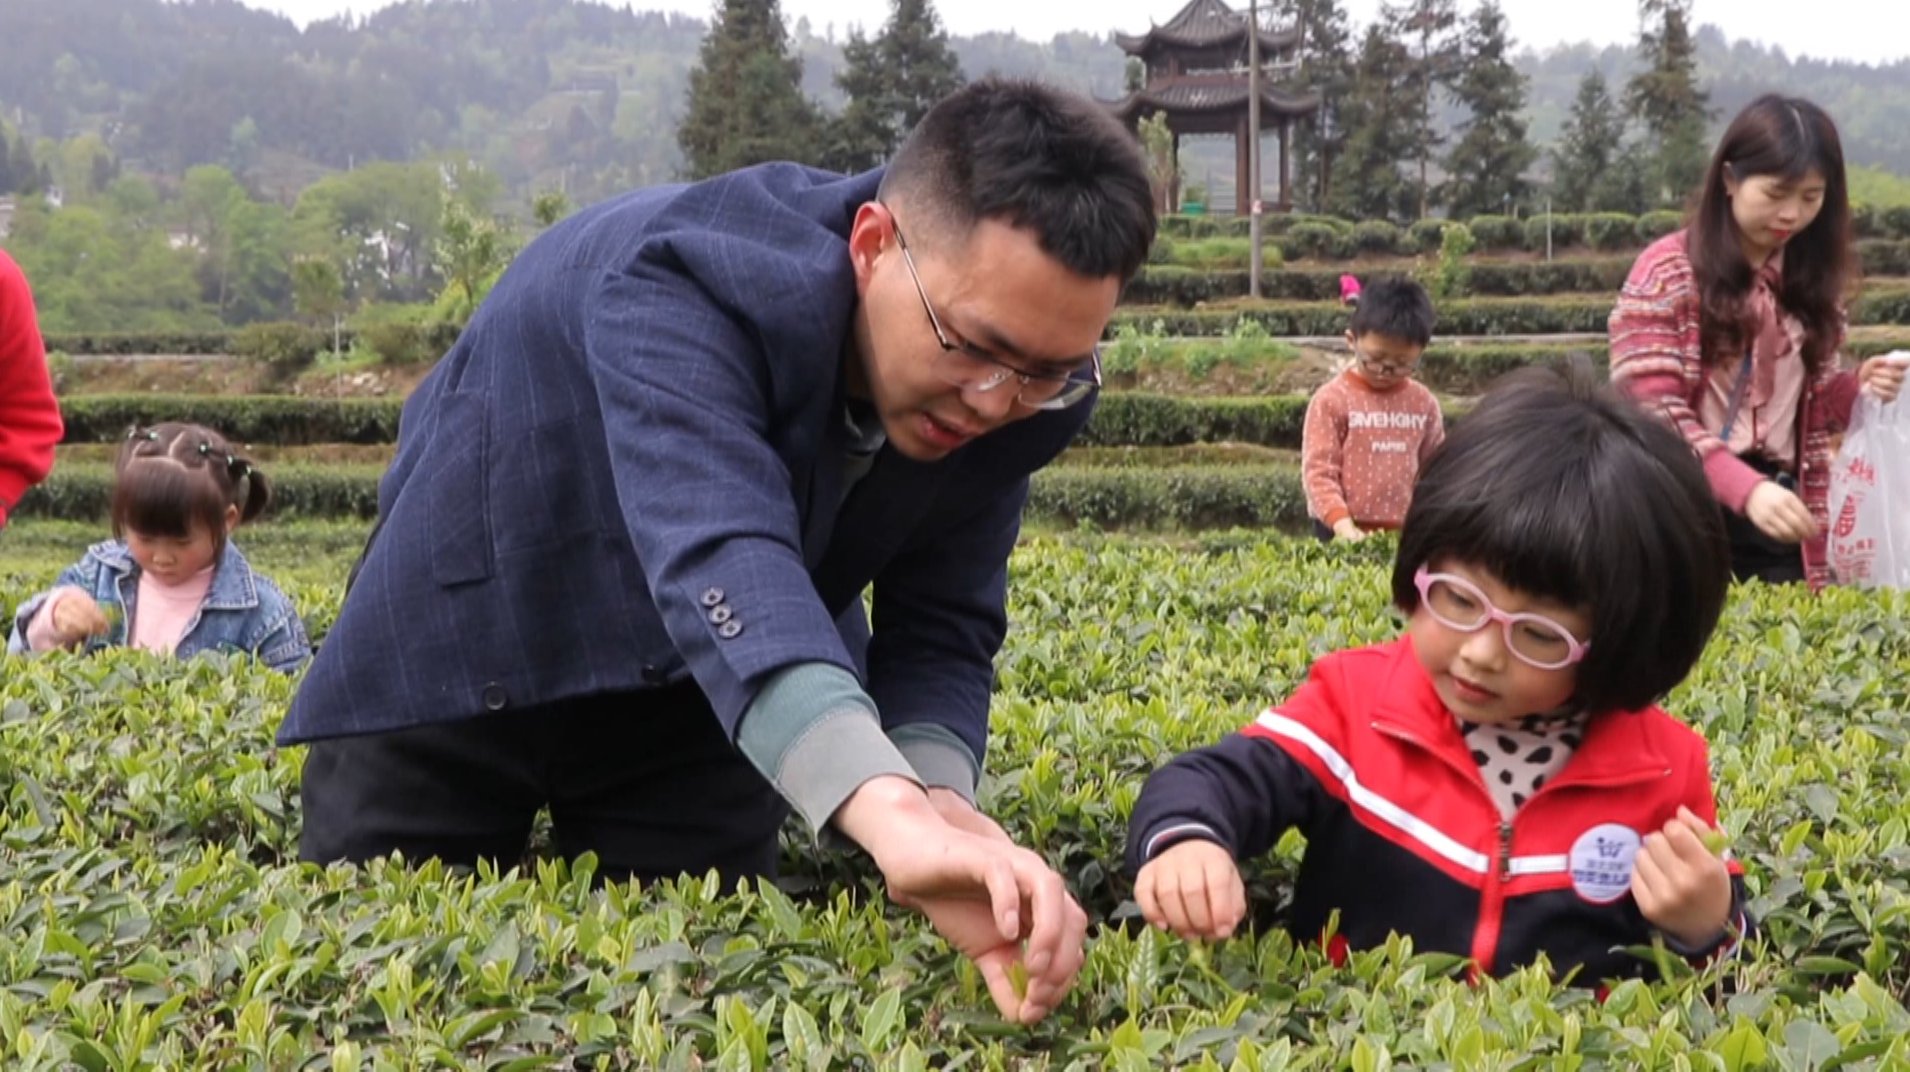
(1564, 489)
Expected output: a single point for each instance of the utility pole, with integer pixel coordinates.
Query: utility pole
(1253, 150)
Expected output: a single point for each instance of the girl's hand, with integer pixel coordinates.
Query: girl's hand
(1779, 513)
(1883, 376)
(76, 616)
(1346, 530)
(1194, 889)
(1681, 886)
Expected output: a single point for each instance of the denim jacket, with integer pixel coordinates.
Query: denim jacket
(243, 611)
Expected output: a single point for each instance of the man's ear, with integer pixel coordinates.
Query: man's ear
(868, 237)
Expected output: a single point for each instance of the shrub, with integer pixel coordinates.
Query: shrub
(1658, 223)
(1609, 231)
(1315, 240)
(1163, 249)
(1448, 278)
(1884, 256)
(1378, 237)
(409, 343)
(1496, 234)
(1566, 230)
(1865, 221)
(282, 345)
(1896, 221)
(1423, 235)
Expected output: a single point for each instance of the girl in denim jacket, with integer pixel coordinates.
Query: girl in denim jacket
(170, 580)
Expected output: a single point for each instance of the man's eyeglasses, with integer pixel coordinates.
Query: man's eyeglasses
(1533, 639)
(961, 364)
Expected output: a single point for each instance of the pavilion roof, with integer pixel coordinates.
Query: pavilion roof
(1214, 97)
(1204, 24)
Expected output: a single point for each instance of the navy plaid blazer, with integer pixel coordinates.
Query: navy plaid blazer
(629, 469)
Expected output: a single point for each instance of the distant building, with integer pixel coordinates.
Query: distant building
(1197, 76)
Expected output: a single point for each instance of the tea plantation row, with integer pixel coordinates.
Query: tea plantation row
(152, 915)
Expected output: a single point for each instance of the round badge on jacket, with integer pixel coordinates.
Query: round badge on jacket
(1601, 862)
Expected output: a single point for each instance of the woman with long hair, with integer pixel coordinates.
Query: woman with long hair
(1732, 330)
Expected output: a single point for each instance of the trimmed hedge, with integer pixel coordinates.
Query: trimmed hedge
(108, 343)
(284, 420)
(1557, 315)
(1185, 497)
(1121, 418)
(1132, 419)
(1183, 286)
(1189, 496)
(84, 492)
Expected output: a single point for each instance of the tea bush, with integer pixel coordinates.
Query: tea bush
(155, 917)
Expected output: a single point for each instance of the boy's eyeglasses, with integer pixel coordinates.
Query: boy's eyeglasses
(961, 364)
(1533, 639)
(1384, 368)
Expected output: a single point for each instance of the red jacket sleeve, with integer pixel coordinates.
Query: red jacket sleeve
(29, 416)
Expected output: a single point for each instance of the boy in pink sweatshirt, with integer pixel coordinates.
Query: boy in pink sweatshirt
(1369, 429)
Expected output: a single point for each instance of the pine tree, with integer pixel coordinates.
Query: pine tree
(1486, 169)
(1426, 28)
(1326, 65)
(891, 82)
(1665, 96)
(1588, 145)
(745, 102)
(1367, 181)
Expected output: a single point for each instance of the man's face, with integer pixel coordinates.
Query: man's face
(1000, 302)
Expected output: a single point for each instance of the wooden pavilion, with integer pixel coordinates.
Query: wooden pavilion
(1196, 67)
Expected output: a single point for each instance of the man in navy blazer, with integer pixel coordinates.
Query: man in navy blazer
(621, 552)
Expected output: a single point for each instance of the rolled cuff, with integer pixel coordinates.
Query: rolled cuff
(831, 760)
(814, 734)
(939, 757)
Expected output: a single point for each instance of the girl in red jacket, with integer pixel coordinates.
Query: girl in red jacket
(1497, 783)
(29, 417)
(1731, 331)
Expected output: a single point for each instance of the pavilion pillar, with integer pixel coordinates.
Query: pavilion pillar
(1243, 169)
(1286, 172)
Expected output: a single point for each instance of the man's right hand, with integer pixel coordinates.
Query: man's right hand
(986, 897)
(1779, 513)
(1345, 529)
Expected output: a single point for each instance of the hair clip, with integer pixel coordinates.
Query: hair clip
(148, 435)
(238, 468)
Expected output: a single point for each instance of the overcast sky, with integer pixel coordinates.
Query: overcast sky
(1873, 31)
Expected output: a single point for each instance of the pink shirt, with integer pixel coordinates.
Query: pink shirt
(161, 612)
(161, 616)
(1769, 429)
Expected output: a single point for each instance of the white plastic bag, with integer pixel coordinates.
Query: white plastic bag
(1870, 496)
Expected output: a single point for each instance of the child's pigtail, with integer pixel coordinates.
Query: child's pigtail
(258, 490)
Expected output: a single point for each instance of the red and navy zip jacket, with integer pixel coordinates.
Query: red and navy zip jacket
(1402, 835)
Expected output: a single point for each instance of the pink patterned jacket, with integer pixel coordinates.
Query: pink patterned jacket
(1656, 359)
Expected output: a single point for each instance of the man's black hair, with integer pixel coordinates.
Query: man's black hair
(1035, 157)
